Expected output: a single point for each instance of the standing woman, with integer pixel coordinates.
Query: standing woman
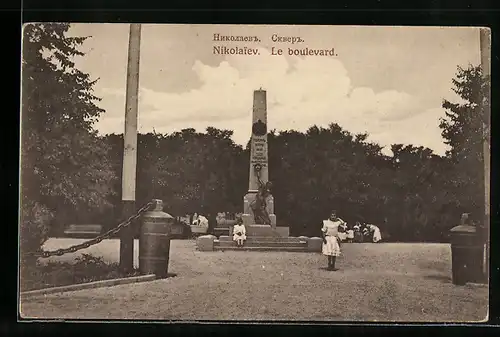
(331, 246)
(358, 235)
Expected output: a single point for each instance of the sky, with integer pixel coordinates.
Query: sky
(387, 81)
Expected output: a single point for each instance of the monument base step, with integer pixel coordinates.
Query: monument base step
(218, 231)
(265, 230)
(263, 243)
(262, 249)
(223, 238)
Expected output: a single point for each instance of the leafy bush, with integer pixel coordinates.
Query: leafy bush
(34, 228)
(87, 268)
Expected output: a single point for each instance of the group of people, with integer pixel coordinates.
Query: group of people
(196, 220)
(360, 232)
(200, 220)
(335, 230)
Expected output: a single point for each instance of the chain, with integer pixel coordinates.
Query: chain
(96, 240)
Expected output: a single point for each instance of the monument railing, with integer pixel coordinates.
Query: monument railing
(94, 241)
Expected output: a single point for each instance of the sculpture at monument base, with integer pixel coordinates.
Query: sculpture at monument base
(259, 204)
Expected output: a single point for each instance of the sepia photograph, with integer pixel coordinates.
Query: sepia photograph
(254, 173)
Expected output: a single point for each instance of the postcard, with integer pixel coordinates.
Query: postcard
(283, 173)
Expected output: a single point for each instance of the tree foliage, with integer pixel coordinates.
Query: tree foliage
(463, 129)
(64, 166)
(188, 170)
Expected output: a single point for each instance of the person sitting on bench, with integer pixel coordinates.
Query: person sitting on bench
(239, 232)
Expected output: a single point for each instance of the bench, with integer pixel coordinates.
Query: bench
(218, 231)
(83, 230)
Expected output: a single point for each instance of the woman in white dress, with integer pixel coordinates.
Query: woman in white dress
(376, 233)
(239, 232)
(202, 221)
(350, 235)
(195, 219)
(331, 242)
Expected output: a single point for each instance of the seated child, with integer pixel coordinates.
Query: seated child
(239, 232)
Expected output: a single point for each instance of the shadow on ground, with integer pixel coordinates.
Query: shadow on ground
(169, 275)
(442, 278)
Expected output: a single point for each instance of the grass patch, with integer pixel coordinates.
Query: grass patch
(86, 268)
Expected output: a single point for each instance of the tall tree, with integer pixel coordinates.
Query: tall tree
(463, 131)
(64, 163)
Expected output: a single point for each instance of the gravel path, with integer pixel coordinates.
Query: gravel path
(376, 282)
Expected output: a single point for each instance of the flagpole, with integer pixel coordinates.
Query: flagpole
(130, 147)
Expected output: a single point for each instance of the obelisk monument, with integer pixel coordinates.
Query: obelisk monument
(259, 164)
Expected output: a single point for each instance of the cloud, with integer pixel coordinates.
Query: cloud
(301, 92)
(419, 130)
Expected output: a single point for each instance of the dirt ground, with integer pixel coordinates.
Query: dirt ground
(375, 282)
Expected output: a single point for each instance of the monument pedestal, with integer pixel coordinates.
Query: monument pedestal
(248, 220)
(248, 216)
(254, 229)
